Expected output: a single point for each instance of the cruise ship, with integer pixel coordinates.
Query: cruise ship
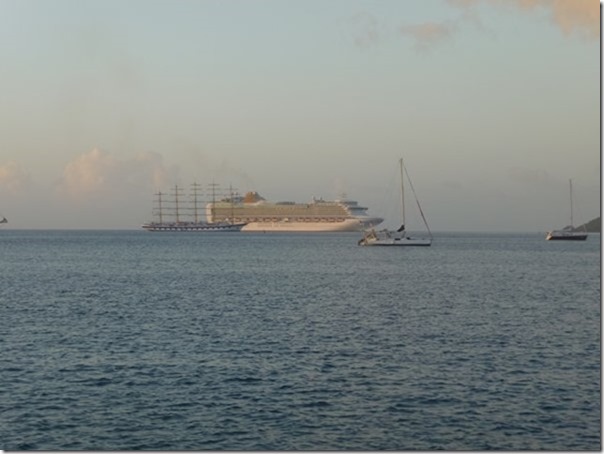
(260, 215)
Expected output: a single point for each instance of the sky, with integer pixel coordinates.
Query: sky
(493, 104)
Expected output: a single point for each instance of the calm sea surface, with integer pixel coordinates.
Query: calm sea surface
(177, 341)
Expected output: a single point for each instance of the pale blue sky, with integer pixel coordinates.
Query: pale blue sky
(493, 105)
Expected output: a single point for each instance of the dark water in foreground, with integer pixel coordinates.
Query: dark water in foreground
(134, 340)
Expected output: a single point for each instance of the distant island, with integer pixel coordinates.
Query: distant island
(594, 226)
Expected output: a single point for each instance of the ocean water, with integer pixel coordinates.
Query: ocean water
(127, 340)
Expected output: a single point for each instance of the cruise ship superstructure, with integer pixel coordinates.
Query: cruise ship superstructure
(260, 215)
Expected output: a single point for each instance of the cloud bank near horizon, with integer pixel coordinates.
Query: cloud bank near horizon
(92, 188)
(576, 17)
(13, 178)
(100, 172)
(570, 16)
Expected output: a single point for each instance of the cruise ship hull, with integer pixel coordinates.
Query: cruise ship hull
(345, 225)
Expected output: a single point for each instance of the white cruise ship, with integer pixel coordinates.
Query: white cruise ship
(260, 215)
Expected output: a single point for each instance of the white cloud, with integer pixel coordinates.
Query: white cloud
(13, 178)
(100, 172)
(99, 189)
(570, 16)
(428, 34)
(88, 173)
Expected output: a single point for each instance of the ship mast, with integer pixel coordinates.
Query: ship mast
(159, 210)
(176, 193)
(195, 192)
(232, 195)
(231, 201)
(213, 187)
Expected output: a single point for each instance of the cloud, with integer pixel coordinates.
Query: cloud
(88, 172)
(100, 172)
(428, 34)
(582, 16)
(570, 16)
(13, 178)
(148, 167)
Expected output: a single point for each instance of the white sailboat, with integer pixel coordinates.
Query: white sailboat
(568, 233)
(399, 237)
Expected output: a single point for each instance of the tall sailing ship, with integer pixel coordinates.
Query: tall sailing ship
(175, 213)
(318, 215)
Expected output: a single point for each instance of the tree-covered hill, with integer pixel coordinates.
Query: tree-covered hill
(595, 225)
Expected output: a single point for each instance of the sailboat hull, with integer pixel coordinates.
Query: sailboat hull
(561, 235)
(412, 242)
(388, 238)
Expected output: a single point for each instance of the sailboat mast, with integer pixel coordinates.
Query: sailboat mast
(570, 184)
(402, 191)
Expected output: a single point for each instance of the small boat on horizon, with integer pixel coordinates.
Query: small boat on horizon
(568, 233)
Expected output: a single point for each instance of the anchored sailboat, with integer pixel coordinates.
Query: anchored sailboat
(568, 233)
(399, 237)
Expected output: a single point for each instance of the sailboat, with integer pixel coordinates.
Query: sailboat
(399, 237)
(568, 233)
